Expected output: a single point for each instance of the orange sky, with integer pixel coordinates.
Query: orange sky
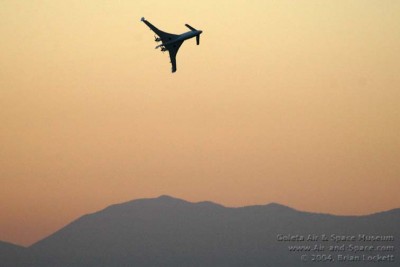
(295, 102)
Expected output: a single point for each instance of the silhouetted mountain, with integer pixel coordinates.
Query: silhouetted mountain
(166, 231)
(10, 253)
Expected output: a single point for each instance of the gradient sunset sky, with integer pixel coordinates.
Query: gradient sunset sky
(295, 102)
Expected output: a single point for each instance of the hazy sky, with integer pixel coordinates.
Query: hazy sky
(295, 102)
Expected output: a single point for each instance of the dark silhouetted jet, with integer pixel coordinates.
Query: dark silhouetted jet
(172, 42)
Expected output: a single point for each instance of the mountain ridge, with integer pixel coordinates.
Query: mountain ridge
(171, 199)
(167, 231)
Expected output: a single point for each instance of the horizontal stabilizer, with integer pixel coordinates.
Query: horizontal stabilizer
(190, 27)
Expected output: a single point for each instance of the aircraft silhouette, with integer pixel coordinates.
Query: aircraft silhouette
(172, 42)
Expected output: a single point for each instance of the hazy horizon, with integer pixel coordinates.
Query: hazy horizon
(289, 102)
(160, 198)
(166, 231)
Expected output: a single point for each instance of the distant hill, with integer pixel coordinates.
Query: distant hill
(10, 253)
(166, 231)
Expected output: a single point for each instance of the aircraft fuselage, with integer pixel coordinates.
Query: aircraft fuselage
(172, 42)
(183, 37)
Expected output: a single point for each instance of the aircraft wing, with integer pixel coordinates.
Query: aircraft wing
(173, 50)
(165, 37)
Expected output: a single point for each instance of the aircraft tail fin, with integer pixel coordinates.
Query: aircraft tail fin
(190, 27)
